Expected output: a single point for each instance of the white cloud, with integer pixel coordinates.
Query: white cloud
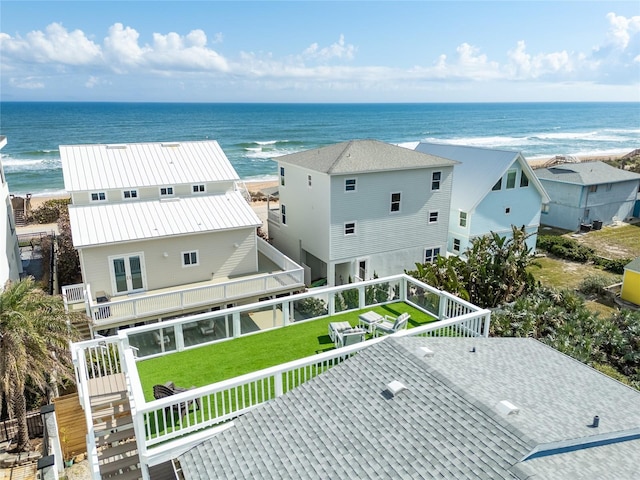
(27, 83)
(622, 29)
(339, 50)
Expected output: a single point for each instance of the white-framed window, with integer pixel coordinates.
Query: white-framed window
(309, 181)
(129, 194)
(456, 244)
(350, 228)
(199, 188)
(282, 176)
(350, 185)
(430, 254)
(507, 210)
(524, 180)
(283, 214)
(511, 179)
(395, 202)
(498, 185)
(98, 197)
(463, 219)
(436, 177)
(433, 216)
(190, 259)
(166, 191)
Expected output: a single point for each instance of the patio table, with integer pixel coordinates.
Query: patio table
(369, 319)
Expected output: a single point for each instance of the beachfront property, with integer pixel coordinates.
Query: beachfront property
(631, 282)
(589, 194)
(492, 190)
(163, 230)
(10, 264)
(353, 210)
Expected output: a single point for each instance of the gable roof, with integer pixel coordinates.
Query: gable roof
(362, 156)
(633, 265)
(102, 167)
(446, 424)
(586, 173)
(107, 223)
(478, 171)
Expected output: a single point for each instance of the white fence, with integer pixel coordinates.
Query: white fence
(172, 418)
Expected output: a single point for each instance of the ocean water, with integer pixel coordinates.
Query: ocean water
(253, 135)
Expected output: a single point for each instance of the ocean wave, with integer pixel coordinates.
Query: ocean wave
(494, 141)
(17, 165)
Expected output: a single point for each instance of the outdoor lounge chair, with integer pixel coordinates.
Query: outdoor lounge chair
(169, 389)
(207, 327)
(392, 325)
(159, 340)
(350, 336)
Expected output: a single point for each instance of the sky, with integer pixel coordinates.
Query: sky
(320, 52)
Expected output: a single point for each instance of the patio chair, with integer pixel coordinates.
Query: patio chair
(207, 327)
(159, 340)
(350, 337)
(391, 325)
(169, 389)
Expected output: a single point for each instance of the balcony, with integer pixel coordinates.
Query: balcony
(159, 436)
(276, 273)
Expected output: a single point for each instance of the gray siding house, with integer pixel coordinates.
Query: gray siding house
(492, 190)
(361, 208)
(583, 193)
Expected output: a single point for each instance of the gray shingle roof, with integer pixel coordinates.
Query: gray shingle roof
(360, 156)
(445, 425)
(586, 173)
(633, 265)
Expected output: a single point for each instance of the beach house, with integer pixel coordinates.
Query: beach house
(587, 194)
(162, 230)
(492, 190)
(356, 209)
(509, 408)
(10, 264)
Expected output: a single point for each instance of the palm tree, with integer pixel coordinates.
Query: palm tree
(35, 332)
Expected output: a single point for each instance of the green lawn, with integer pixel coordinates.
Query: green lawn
(213, 363)
(560, 273)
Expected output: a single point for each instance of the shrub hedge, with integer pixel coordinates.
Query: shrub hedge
(570, 249)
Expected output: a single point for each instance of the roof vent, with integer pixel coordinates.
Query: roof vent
(170, 145)
(424, 352)
(395, 387)
(116, 147)
(507, 408)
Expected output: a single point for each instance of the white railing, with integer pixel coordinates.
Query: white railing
(273, 215)
(166, 419)
(73, 294)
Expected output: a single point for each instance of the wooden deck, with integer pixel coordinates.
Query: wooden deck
(107, 385)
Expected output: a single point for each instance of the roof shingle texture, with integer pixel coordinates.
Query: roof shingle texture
(586, 173)
(362, 156)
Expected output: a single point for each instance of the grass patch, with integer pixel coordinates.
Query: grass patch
(228, 359)
(561, 273)
(614, 242)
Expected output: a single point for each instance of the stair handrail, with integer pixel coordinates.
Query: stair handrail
(85, 403)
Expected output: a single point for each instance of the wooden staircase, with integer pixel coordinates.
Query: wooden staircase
(114, 435)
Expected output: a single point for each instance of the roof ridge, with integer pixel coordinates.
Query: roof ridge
(348, 144)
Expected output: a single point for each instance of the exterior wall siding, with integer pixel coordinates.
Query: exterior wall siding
(565, 206)
(631, 287)
(10, 264)
(217, 258)
(380, 232)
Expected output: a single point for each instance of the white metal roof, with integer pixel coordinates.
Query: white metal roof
(93, 225)
(102, 167)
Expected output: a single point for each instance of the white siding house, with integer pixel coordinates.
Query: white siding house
(492, 190)
(10, 264)
(583, 193)
(357, 209)
(161, 230)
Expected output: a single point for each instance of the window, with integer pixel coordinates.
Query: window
(282, 176)
(435, 180)
(463, 219)
(98, 197)
(593, 188)
(433, 217)
(198, 188)
(507, 210)
(129, 194)
(350, 228)
(350, 185)
(166, 191)
(545, 208)
(190, 259)
(283, 214)
(608, 187)
(309, 180)
(511, 179)
(498, 185)
(456, 244)
(524, 180)
(430, 254)
(395, 202)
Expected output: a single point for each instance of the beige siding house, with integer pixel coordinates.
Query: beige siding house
(10, 264)
(163, 231)
(356, 209)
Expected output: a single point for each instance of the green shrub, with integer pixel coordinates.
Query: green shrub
(49, 211)
(613, 266)
(594, 285)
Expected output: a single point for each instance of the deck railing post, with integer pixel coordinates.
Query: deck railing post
(237, 330)
(285, 313)
(277, 381)
(442, 306)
